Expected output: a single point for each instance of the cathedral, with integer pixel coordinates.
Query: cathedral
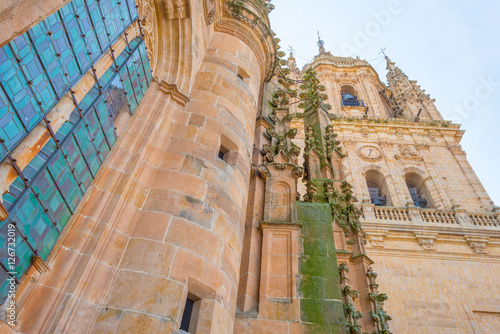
(166, 168)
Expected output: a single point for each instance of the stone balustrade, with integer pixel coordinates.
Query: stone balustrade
(390, 213)
(438, 216)
(417, 215)
(484, 219)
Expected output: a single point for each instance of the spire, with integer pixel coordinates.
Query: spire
(390, 64)
(408, 99)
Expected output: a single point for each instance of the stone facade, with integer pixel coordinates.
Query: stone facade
(274, 200)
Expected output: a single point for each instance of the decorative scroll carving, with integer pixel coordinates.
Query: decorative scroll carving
(376, 238)
(422, 146)
(426, 240)
(209, 10)
(147, 13)
(478, 244)
(455, 148)
(406, 154)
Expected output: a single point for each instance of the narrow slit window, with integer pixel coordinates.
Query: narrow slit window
(222, 152)
(186, 316)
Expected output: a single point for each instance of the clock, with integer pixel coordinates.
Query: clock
(369, 152)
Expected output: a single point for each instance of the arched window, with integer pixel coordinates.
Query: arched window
(377, 188)
(418, 190)
(350, 97)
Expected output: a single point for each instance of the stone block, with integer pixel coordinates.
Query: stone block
(139, 323)
(195, 238)
(146, 293)
(151, 225)
(148, 256)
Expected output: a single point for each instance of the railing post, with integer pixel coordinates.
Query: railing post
(414, 214)
(462, 217)
(369, 212)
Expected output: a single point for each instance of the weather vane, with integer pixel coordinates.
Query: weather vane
(382, 51)
(290, 48)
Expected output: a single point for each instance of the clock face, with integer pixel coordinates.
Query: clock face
(370, 152)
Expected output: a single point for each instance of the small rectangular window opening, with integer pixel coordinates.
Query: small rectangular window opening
(242, 74)
(222, 152)
(186, 316)
(227, 150)
(189, 321)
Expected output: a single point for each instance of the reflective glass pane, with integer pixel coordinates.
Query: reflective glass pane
(16, 87)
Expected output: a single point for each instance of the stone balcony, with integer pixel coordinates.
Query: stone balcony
(415, 216)
(386, 227)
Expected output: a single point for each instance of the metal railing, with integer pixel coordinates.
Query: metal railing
(353, 103)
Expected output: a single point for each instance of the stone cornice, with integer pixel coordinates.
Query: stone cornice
(399, 122)
(436, 255)
(387, 125)
(458, 230)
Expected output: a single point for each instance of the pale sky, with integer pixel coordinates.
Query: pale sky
(451, 47)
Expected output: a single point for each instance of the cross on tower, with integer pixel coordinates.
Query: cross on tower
(382, 51)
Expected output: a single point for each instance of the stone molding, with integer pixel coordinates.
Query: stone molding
(177, 96)
(379, 236)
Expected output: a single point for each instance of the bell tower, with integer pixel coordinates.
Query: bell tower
(424, 210)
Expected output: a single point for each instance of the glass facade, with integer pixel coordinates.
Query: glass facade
(36, 70)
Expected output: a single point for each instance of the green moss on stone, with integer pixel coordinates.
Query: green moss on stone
(321, 299)
(329, 312)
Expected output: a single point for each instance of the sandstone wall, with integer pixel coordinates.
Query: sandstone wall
(439, 293)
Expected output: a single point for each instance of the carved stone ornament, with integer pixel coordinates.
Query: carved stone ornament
(369, 153)
(147, 12)
(426, 240)
(478, 244)
(376, 238)
(455, 148)
(406, 154)
(422, 146)
(349, 143)
(209, 9)
(177, 9)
